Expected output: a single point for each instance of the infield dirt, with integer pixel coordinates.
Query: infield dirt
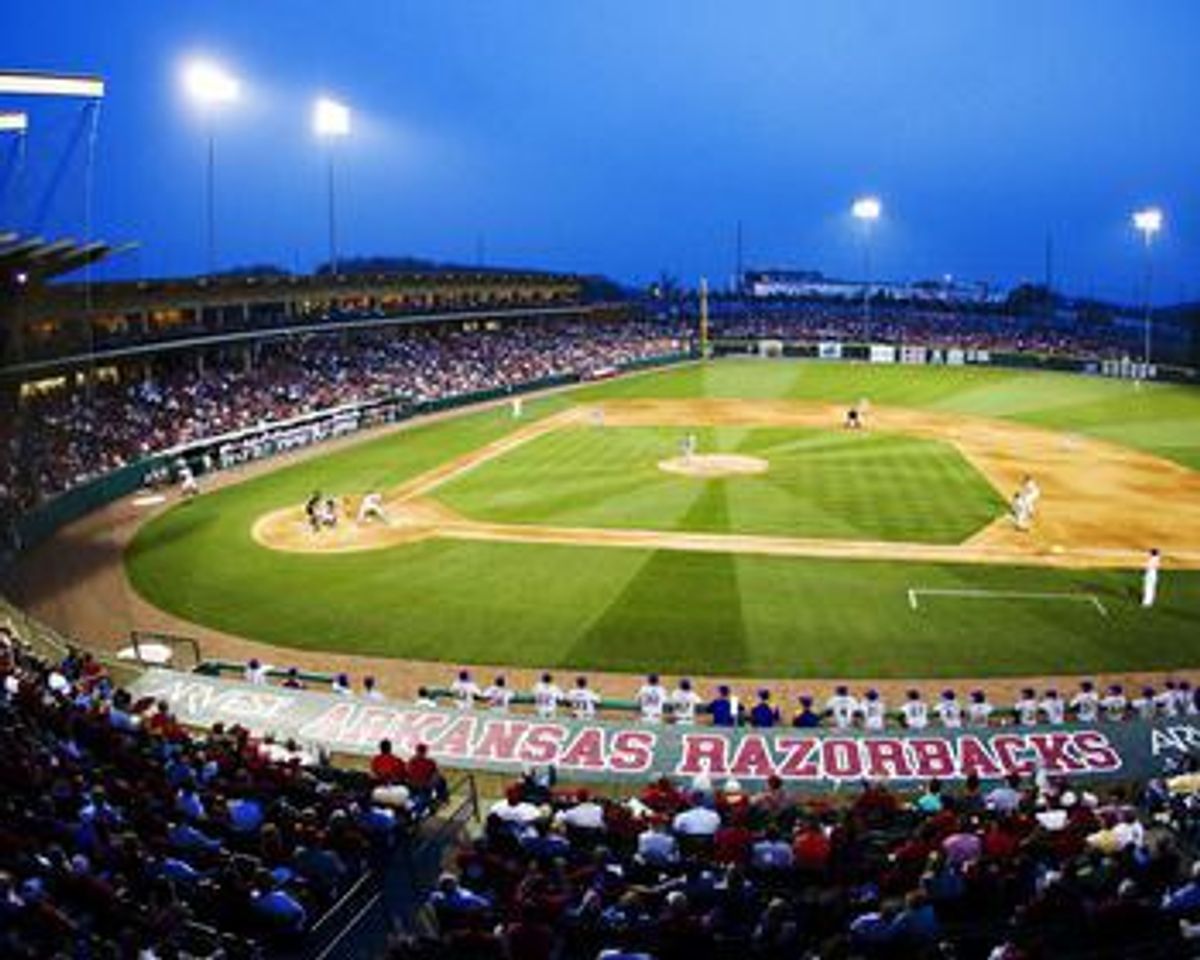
(1102, 505)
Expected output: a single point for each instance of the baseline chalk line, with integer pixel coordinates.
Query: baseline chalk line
(914, 593)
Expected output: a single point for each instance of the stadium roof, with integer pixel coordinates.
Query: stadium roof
(35, 257)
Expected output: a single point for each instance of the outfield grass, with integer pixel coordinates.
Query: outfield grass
(820, 483)
(636, 609)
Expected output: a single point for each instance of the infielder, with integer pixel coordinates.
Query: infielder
(1032, 493)
(688, 446)
(371, 508)
(188, 486)
(1150, 578)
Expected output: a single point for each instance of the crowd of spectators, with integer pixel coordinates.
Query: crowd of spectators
(936, 328)
(61, 437)
(1024, 869)
(124, 835)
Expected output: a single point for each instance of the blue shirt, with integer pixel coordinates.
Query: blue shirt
(763, 715)
(722, 712)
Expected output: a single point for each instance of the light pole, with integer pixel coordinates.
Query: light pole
(1147, 222)
(331, 120)
(866, 210)
(210, 86)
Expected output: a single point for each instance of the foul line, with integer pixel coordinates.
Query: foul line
(915, 592)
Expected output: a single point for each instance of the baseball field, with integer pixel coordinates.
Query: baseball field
(719, 519)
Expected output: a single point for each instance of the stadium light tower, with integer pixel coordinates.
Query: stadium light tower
(1148, 223)
(210, 87)
(331, 121)
(866, 210)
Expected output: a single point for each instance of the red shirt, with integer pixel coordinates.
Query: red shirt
(421, 771)
(388, 768)
(811, 849)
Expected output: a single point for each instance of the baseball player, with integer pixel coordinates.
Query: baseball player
(1114, 703)
(1145, 706)
(1052, 707)
(1019, 510)
(546, 697)
(652, 699)
(684, 701)
(915, 711)
(1150, 578)
(465, 691)
(188, 487)
(1086, 703)
(582, 700)
(873, 710)
(979, 711)
(517, 408)
(371, 508)
(498, 695)
(1032, 493)
(1026, 708)
(842, 707)
(949, 710)
(688, 446)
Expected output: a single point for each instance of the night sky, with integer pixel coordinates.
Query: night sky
(629, 137)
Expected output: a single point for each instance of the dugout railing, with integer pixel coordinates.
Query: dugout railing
(235, 669)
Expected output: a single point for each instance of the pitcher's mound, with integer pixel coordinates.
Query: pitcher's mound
(714, 465)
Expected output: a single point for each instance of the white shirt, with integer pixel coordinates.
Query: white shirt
(1053, 709)
(1027, 711)
(465, 693)
(583, 702)
(1167, 704)
(545, 698)
(498, 698)
(652, 698)
(256, 675)
(1144, 707)
(1114, 705)
(696, 822)
(842, 707)
(979, 713)
(874, 712)
(949, 712)
(683, 705)
(584, 816)
(916, 714)
(1086, 705)
(515, 812)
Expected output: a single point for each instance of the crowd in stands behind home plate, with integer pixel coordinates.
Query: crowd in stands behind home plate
(1022, 870)
(124, 835)
(65, 436)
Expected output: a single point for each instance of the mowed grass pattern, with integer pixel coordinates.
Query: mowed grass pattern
(638, 610)
(820, 483)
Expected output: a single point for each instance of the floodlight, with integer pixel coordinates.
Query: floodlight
(1148, 221)
(208, 83)
(31, 84)
(867, 208)
(13, 122)
(330, 118)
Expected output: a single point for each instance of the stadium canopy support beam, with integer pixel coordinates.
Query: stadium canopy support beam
(23, 83)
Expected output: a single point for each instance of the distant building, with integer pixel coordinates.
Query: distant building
(812, 284)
